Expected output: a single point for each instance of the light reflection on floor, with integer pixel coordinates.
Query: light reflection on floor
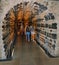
(29, 54)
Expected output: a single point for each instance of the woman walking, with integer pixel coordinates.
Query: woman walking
(28, 34)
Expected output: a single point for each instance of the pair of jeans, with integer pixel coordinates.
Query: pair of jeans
(28, 36)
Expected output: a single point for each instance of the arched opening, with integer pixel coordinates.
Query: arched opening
(16, 20)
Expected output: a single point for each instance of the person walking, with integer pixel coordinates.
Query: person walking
(28, 34)
(32, 33)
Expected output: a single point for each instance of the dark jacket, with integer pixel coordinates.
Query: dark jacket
(27, 29)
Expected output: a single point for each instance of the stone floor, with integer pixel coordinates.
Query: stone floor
(29, 53)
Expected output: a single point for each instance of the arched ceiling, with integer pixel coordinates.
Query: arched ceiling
(25, 11)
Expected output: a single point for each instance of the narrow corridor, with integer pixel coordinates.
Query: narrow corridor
(19, 15)
(29, 54)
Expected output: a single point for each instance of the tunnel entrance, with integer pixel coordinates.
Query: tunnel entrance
(17, 19)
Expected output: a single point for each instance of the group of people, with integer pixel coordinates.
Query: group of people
(30, 33)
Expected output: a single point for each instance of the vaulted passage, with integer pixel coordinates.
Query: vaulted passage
(41, 46)
(16, 21)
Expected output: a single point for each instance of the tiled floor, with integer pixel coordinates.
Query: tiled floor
(30, 54)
